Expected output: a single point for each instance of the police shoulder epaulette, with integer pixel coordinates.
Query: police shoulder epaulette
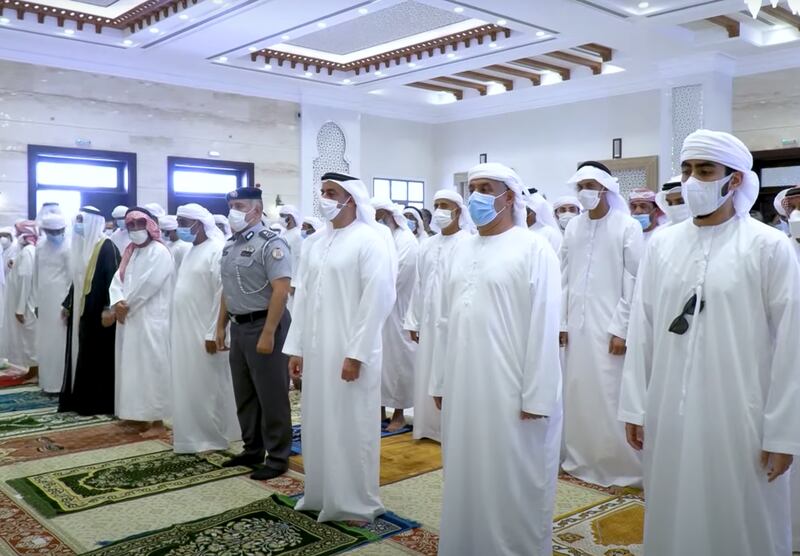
(267, 234)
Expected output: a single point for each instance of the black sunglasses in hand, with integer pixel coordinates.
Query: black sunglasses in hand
(680, 325)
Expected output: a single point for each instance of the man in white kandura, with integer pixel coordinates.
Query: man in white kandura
(168, 224)
(646, 211)
(541, 220)
(451, 219)
(399, 351)
(53, 280)
(204, 409)
(416, 223)
(141, 293)
(343, 295)
(224, 226)
(599, 261)
(120, 236)
(20, 317)
(291, 220)
(710, 389)
(565, 209)
(670, 201)
(498, 382)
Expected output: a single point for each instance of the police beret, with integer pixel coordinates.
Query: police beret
(244, 193)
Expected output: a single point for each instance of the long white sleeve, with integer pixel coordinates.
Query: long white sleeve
(215, 275)
(439, 359)
(152, 277)
(24, 267)
(294, 339)
(633, 243)
(413, 316)
(564, 256)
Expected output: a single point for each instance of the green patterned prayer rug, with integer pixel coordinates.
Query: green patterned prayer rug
(31, 423)
(99, 484)
(268, 527)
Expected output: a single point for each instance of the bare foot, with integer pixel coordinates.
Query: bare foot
(398, 422)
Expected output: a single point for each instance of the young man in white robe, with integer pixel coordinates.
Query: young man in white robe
(670, 201)
(140, 297)
(204, 409)
(53, 280)
(498, 380)
(710, 388)
(168, 224)
(120, 236)
(20, 310)
(451, 218)
(565, 209)
(343, 295)
(416, 223)
(224, 226)
(541, 220)
(599, 260)
(399, 351)
(645, 210)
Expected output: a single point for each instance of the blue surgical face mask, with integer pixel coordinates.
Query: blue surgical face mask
(481, 208)
(78, 228)
(304, 234)
(412, 225)
(121, 223)
(56, 240)
(644, 220)
(185, 234)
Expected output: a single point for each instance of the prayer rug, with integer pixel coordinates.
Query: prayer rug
(21, 533)
(57, 443)
(269, 526)
(297, 435)
(89, 486)
(31, 423)
(12, 375)
(402, 458)
(26, 399)
(612, 528)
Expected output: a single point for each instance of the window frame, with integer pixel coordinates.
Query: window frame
(124, 162)
(244, 171)
(407, 201)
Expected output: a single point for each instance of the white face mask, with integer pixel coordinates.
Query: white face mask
(442, 218)
(564, 218)
(330, 208)
(139, 237)
(5, 242)
(677, 213)
(794, 224)
(704, 197)
(237, 220)
(589, 198)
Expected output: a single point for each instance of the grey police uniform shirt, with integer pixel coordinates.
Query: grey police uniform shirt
(250, 261)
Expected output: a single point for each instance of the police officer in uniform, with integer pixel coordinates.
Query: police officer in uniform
(256, 272)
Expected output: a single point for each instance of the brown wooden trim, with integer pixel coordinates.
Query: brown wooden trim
(486, 78)
(462, 84)
(729, 24)
(534, 78)
(596, 67)
(606, 54)
(437, 88)
(565, 73)
(782, 14)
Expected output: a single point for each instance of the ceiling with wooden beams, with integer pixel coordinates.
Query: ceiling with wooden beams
(430, 60)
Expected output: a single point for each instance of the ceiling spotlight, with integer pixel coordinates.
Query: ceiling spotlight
(379, 73)
(412, 65)
(127, 42)
(322, 25)
(346, 81)
(267, 67)
(4, 21)
(154, 30)
(451, 55)
(252, 49)
(215, 154)
(644, 5)
(284, 37)
(458, 10)
(69, 32)
(540, 33)
(309, 74)
(363, 11)
(217, 1)
(501, 22)
(183, 17)
(492, 45)
(222, 59)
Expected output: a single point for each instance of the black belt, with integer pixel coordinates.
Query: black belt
(249, 317)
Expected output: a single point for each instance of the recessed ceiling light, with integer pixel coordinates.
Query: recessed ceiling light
(127, 42)
(458, 9)
(69, 32)
(378, 73)
(540, 33)
(183, 17)
(252, 49)
(213, 153)
(217, 1)
(285, 37)
(309, 74)
(346, 81)
(267, 67)
(363, 11)
(501, 21)
(322, 25)
(451, 55)
(644, 5)
(154, 30)
(223, 59)
(412, 65)
(4, 21)
(492, 45)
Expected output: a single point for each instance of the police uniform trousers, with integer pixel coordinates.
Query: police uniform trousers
(261, 388)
